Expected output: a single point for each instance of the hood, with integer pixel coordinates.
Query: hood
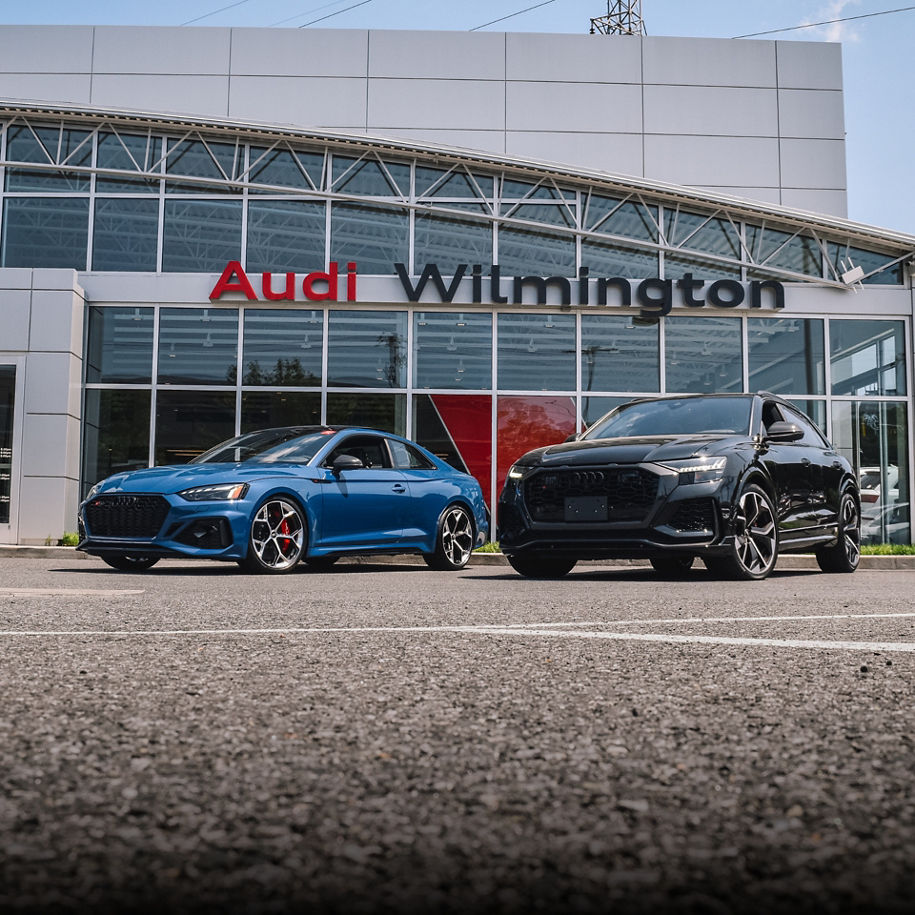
(657, 448)
(174, 478)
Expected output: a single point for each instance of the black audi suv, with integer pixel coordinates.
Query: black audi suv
(733, 479)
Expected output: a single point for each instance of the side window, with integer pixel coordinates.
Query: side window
(812, 435)
(771, 414)
(408, 458)
(370, 449)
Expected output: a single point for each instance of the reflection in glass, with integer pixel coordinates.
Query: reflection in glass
(375, 238)
(115, 433)
(786, 355)
(119, 346)
(438, 182)
(367, 349)
(125, 234)
(283, 348)
(452, 350)
(47, 146)
(269, 409)
(700, 233)
(285, 235)
(367, 176)
(843, 257)
(798, 253)
(535, 253)
(815, 409)
(281, 168)
(610, 216)
(198, 345)
(617, 355)
(593, 408)
(676, 265)
(45, 232)
(191, 422)
(128, 153)
(387, 412)
(449, 242)
(867, 357)
(201, 236)
(703, 355)
(536, 352)
(613, 259)
(217, 162)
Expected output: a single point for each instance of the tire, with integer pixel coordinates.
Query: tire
(454, 540)
(128, 563)
(319, 563)
(542, 566)
(754, 550)
(672, 566)
(278, 537)
(845, 554)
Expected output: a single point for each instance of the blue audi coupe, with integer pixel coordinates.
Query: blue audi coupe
(270, 498)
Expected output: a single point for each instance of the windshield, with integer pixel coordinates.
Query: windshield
(675, 416)
(267, 447)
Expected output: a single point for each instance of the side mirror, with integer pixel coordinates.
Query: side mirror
(571, 438)
(346, 462)
(784, 432)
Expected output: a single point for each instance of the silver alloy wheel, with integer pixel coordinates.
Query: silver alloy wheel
(756, 536)
(457, 536)
(850, 522)
(277, 535)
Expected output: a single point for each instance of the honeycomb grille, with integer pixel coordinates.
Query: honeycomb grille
(694, 515)
(630, 491)
(126, 516)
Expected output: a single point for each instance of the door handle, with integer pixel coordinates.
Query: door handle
(399, 487)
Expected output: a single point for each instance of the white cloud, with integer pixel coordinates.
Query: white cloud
(835, 31)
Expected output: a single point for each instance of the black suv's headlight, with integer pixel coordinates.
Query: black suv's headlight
(698, 470)
(516, 471)
(219, 492)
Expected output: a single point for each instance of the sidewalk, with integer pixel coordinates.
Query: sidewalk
(800, 561)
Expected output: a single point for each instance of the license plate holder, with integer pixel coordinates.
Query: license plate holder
(586, 508)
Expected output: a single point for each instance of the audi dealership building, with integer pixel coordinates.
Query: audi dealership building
(482, 241)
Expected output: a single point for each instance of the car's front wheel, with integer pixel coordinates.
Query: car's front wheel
(845, 554)
(278, 537)
(672, 566)
(454, 541)
(754, 549)
(542, 566)
(130, 563)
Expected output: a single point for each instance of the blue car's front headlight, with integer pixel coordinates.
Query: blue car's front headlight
(219, 492)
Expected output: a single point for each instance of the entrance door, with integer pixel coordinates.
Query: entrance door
(10, 437)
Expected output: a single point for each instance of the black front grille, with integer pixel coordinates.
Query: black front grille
(694, 515)
(126, 516)
(630, 491)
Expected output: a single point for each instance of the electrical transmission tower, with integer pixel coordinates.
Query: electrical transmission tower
(624, 17)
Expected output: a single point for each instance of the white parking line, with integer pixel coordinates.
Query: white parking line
(70, 592)
(545, 630)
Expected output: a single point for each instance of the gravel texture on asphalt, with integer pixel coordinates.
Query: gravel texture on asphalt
(388, 770)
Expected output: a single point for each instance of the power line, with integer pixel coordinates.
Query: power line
(314, 9)
(222, 9)
(810, 25)
(331, 15)
(511, 15)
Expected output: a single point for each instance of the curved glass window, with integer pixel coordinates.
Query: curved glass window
(47, 146)
(367, 349)
(213, 161)
(440, 182)
(525, 251)
(703, 355)
(125, 234)
(678, 265)
(127, 153)
(283, 168)
(449, 242)
(120, 346)
(618, 355)
(700, 233)
(613, 216)
(201, 236)
(608, 259)
(452, 350)
(45, 232)
(536, 352)
(869, 261)
(368, 176)
(772, 248)
(198, 346)
(867, 358)
(786, 355)
(375, 238)
(282, 348)
(286, 235)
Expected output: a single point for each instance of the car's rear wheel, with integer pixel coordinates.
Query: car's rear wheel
(542, 566)
(128, 562)
(672, 566)
(278, 537)
(754, 549)
(454, 541)
(845, 554)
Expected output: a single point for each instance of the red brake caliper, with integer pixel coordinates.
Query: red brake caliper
(284, 529)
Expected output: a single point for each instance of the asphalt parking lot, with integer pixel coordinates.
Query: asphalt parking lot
(391, 739)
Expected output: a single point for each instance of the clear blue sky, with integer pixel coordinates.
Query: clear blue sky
(879, 66)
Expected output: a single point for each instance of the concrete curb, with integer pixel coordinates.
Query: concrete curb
(799, 561)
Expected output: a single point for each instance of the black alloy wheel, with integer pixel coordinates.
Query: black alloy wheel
(278, 537)
(454, 541)
(845, 554)
(128, 562)
(754, 548)
(538, 566)
(672, 566)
